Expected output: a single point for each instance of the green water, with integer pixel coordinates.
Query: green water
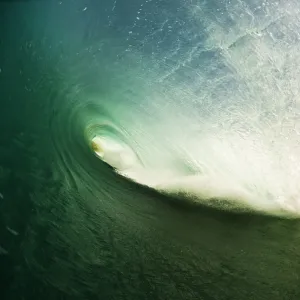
(71, 227)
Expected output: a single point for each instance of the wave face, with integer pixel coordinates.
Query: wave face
(142, 121)
(203, 96)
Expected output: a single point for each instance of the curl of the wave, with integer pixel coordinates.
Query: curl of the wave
(214, 118)
(108, 144)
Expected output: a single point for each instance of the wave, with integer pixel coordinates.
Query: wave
(132, 128)
(204, 105)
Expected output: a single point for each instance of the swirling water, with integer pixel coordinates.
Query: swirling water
(192, 108)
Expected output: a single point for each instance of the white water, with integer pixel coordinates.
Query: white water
(223, 121)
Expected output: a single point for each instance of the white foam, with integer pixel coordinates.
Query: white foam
(222, 115)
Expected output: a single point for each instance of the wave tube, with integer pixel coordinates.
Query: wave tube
(198, 100)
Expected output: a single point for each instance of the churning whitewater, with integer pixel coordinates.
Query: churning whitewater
(213, 115)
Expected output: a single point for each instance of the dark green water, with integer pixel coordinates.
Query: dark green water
(70, 227)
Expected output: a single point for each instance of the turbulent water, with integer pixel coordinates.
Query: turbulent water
(150, 149)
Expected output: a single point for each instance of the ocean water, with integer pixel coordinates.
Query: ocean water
(149, 149)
